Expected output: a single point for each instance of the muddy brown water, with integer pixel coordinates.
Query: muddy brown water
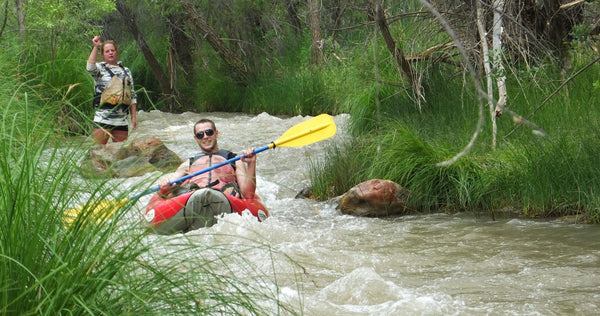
(433, 264)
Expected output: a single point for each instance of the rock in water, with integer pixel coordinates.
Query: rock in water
(374, 198)
(131, 159)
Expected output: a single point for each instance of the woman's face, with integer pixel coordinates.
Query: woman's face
(110, 54)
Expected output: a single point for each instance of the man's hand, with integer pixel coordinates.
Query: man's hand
(249, 156)
(165, 185)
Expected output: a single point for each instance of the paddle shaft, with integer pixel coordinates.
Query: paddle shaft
(234, 159)
(308, 132)
(302, 134)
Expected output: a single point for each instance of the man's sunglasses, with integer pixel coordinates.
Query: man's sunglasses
(209, 132)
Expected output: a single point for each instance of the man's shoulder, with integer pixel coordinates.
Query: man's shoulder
(227, 154)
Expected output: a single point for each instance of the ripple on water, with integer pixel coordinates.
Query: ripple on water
(326, 263)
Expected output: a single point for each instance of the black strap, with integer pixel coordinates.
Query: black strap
(112, 74)
(212, 184)
(105, 66)
(223, 153)
(210, 171)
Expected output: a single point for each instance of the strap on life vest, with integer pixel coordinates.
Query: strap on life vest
(223, 153)
(98, 95)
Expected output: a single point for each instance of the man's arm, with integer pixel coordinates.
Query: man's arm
(246, 174)
(164, 182)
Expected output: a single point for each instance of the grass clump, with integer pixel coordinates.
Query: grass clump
(555, 177)
(107, 267)
(532, 173)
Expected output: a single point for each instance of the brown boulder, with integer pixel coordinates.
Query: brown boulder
(374, 198)
(131, 159)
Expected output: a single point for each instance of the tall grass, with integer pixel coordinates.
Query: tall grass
(302, 92)
(109, 267)
(289, 90)
(539, 176)
(345, 165)
(556, 177)
(399, 155)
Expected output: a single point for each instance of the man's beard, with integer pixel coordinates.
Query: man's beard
(210, 149)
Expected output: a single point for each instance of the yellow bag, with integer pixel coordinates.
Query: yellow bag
(118, 91)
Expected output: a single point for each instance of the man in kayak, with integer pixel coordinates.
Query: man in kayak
(237, 178)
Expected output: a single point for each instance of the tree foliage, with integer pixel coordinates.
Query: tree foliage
(64, 21)
(253, 39)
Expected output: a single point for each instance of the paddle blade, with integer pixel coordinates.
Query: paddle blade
(96, 213)
(316, 129)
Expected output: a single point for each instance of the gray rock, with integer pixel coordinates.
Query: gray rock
(131, 159)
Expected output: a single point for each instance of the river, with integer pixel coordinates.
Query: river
(321, 262)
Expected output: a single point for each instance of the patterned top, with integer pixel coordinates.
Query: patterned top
(110, 116)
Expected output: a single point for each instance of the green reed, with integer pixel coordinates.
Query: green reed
(535, 175)
(110, 267)
(106, 267)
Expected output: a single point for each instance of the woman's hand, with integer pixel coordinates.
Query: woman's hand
(96, 40)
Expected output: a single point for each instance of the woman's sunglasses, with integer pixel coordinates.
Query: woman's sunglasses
(209, 132)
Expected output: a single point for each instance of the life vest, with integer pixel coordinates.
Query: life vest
(116, 92)
(217, 178)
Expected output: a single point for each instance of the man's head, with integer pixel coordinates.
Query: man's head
(206, 133)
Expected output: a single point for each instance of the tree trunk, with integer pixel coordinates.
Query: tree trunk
(240, 71)
(560, 23)
(5, 18)
(179, 46)
(498, 6)
(21, 19)
(292, 10)
(315, 30)
(397, 53)
(336, 17)
(485, 52)
(157, 70)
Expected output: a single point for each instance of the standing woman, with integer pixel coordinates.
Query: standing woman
(114, 97)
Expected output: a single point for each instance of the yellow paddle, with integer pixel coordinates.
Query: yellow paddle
(308, 132)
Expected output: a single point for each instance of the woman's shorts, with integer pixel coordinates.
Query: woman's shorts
(109, 128)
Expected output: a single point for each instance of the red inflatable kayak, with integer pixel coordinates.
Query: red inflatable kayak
(160, 208)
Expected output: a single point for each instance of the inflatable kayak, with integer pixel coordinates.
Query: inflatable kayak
(161, 209)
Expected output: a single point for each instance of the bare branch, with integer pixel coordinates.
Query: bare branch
(473, 73)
